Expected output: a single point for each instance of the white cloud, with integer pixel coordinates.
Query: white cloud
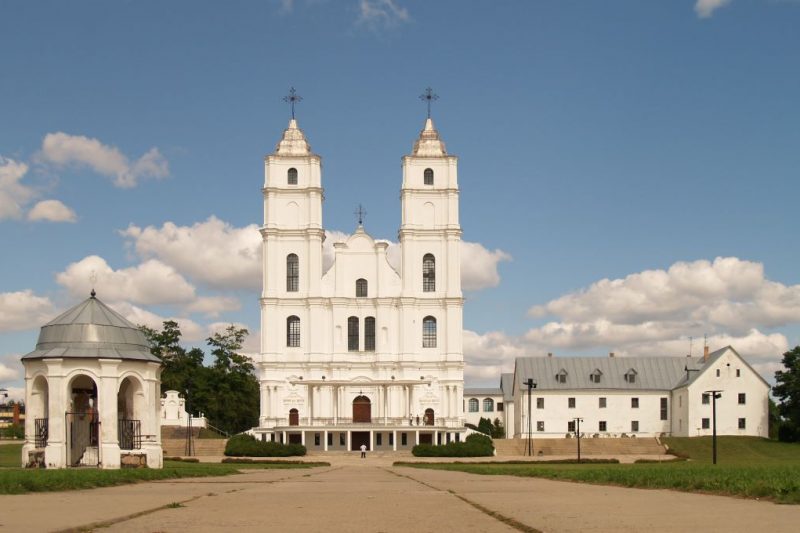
(52, 211)
(479, 266)
(10, 369)
(16, 393)
(63, 149)
(213, 306)
(24, 310)
(212, 252)
(706, 8)
(149, 283)
(13, 194)
(191, 331)
(381, 13)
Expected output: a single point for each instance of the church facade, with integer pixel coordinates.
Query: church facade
(361, 352)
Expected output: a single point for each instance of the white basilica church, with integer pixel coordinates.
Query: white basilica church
(361, 353)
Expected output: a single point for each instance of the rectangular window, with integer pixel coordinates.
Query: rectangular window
(499, 406)
(664, 409)
(458, 437)
(540, 425)
(391, 439)
(738, 373)
(741, 423)
(571, 426)
(378, 439)
(571, 403)
(429, 332)
(705, 423)
(403, 438)
(706, 399)
(634, 403)
(342, 439)
(330, 439)
(742, 398)
(718, 372)
(316, 439)
(602, 402)
(352, 334)
(602, 426)
(634, 426)
(540, 403)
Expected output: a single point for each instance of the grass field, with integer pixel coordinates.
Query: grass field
(15, 480)
(747, 467)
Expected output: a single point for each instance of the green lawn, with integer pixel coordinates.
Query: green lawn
(747, 467)
(15, 480)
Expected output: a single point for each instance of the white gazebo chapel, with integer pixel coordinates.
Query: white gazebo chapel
(92, 389)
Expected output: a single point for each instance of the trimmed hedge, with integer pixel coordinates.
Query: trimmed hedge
(475, 445)
(244, 445)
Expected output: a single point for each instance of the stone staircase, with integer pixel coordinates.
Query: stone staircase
(173, 443)
(589, 446)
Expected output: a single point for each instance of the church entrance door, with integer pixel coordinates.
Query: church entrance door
(294, 417)
(429, 417)
(425, 438)
(357, 438)
(362, 410)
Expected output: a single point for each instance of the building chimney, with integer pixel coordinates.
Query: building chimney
(549, 354)
(705, 353)
(611, 354)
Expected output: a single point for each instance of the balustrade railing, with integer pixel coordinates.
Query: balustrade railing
(375, 422)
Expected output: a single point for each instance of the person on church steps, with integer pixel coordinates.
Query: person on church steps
(363, 451)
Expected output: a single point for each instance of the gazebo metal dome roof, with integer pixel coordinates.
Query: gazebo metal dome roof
(91, 330)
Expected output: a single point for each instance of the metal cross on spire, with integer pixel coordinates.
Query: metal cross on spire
(360, 213)
(292, 98)
(429, 96)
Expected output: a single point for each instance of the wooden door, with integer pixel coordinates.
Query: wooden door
(294, 417)
(429, 417)
(362, 410)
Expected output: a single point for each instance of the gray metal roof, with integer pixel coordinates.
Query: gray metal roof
(652, 373)
(507, 384)
(482, 391)
(690, 377)
(92, 330)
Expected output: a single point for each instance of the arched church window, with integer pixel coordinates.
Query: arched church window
(361, 288)
(352, 333)
(428, 273)
(488, 405)
(429, 332)
(428, 176)
(293, 331)
(291, 176)
(369, 334)
(292, 273)
(473, 405)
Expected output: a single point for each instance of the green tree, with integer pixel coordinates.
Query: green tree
(232, 383)
(485, 426)
(498, 431)
(180, 368)
(787, 391)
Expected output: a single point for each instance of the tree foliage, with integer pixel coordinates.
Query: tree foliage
(787, 391)
(225, 392)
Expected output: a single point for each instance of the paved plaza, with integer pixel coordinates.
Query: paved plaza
(371, 495)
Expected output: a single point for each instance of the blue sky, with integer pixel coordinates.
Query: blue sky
(627, 141)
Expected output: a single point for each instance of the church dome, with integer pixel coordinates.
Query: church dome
(91, 330)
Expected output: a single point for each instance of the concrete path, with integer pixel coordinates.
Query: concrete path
(365, 495)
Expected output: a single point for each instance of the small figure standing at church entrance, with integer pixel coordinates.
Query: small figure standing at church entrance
(363, 451)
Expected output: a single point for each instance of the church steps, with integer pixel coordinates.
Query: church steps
(589, 446)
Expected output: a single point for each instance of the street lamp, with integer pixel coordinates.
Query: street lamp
(578, 434)
(531, 383)
(715, 394)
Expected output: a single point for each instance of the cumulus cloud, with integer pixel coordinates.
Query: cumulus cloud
(23, 310)
(212, 252)
(706, 8)
(52, 211)
(191, 331)
(213, 306)
(381, 13)
(14, 195)
(10, 368)
(653, 313)
(479, 266)
(62, 149)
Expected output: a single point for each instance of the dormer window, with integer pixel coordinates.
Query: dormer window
(561, 377)
(291, 176)
(595, 376)
(630, 376)
(428, 176)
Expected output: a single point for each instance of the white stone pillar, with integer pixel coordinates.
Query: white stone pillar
(325, 440)
(394, 440)
(385, 390)
(371, 441)
(303, 438)
(335, 402)
(349, 440)
(416, 436)
(107, 387)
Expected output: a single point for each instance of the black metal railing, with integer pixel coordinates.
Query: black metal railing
(42, 428)
(129, 433)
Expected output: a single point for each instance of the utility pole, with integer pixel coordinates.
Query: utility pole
(531, 383)
(578, 435)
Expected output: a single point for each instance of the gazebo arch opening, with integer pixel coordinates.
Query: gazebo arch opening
(130, 411)
(362, 409)
(38, 410)
(82, 422)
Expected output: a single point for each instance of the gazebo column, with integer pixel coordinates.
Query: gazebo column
(55, 454)
(151, 424)
(107, 389)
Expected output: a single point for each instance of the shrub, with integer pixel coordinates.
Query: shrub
(244, 445)
(475, 445)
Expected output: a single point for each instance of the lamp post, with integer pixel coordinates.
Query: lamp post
(715, 394)
(3, 396)
(189, 448)
(578, 435)
(531, 383)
